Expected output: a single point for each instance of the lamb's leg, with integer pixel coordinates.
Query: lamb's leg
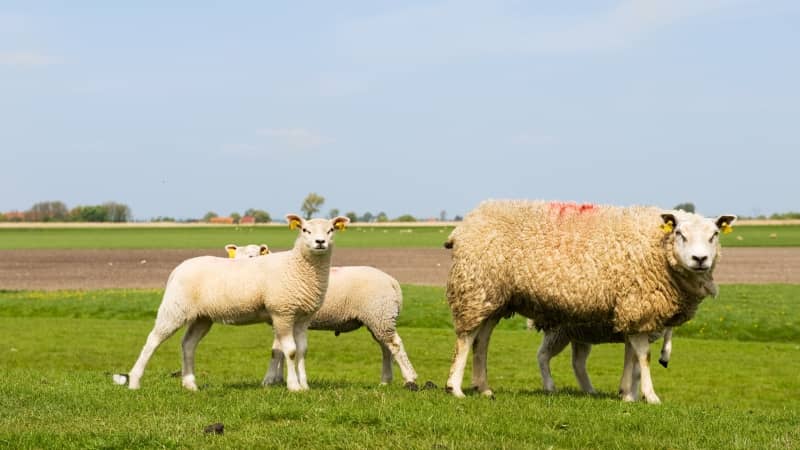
(641, 348)
(463, 343)
(301, 340)
(194, 333)
(386, 363)
(284, 331)
(626, 383)
(480, 355)
(163, 329)
(275, 372)
(395, 345)
(666, 349)
(553, 343)
(580, 353)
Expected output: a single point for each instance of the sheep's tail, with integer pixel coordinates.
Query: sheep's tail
(398, 294)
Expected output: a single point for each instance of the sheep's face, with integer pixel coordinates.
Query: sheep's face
(246, 251)
(696, 238)
(316, 235)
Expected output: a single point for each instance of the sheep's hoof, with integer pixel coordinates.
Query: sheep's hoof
(663, 363)
(429, 385)
(488, 393)
(411, 386)
(120, 378)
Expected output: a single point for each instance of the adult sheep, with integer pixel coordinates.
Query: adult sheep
(617, 271)
(284, 288)
(356, 296)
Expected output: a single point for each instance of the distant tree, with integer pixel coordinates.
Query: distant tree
(3, 218)
(366, 217)
(311, 204)
(236, 217)
(688, 207)
(117, 212)
(458, 218)
(162, 219)
(209, 215)
(334, 212)
(92, 213)
(381, 217)
(443, 215)
(260, 215)
(352, 216)
(47, 212)
(406, 218)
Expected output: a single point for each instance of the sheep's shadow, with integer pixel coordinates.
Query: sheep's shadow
(568, 392)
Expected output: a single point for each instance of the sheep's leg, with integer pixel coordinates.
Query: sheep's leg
(666, 349)
(301, 340)
(194, 333)
(626, 383)
(463, 343)
(275, 372)
(637, 375)
(386, 363)
(284, 331)
(392, 346)
(552, 344)
(641, 348)
(162, 330)
(580, 353)
(480, 355)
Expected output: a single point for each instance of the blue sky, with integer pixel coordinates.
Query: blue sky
(401, 107)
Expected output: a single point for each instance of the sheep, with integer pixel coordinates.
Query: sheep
(283, 288)
(612, 271)
(356, 296)
(247, 251)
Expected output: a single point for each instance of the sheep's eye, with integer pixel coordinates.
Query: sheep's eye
(716, 233)
(305, 230)
(678, 233)
(330, 231)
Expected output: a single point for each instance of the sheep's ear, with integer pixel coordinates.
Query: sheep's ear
(294, 221)
(263, 250)
(724, 223)
(669, 222)
(231, 250)
(340, 222)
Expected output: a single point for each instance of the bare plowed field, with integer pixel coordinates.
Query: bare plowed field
(96, 269)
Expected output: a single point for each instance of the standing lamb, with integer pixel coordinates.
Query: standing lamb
(605, 270)
(283, 288)
(356, 296)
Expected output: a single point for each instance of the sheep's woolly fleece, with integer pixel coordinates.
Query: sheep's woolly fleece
(600, 269)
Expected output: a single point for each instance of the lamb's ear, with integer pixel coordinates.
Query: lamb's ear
(669, 222)
(340, 222)
(294, 221)
(231, 249)
(724, 223)
(263, 250)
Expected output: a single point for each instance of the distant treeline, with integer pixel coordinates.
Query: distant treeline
(57, 211)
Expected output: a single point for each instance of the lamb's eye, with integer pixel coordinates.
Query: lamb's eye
(713, 236)
(678, 233)
(330, 231)
(305, 230)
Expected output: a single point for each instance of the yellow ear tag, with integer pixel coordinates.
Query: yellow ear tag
(339, 226)
(667, 227)
(294, 224)
(726, 228)
(232, 253)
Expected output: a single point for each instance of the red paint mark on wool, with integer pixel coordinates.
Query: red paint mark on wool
(571, 207)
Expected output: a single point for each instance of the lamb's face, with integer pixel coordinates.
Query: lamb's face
(317, 234)
(246, 251)
(696, 238)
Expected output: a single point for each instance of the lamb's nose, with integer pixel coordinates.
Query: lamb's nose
(700, 259)
(320, 241)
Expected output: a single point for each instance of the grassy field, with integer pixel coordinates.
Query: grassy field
(281, 237)
(732, 383)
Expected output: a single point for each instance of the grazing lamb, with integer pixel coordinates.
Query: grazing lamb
(591, 270)
(356, 296)
(283, 288)
(247, 251)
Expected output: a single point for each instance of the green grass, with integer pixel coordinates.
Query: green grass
(281, 237)
(728, 386)
(211, 237)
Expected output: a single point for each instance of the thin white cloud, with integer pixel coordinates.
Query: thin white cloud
(26, 59)
(296, 138)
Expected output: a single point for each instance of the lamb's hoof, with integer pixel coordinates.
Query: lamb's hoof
(429, 385)
(215, 428)
(411, 386)
(663, 363)
(455, 393)
(120, 378)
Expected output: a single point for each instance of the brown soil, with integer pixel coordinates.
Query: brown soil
(96, 269)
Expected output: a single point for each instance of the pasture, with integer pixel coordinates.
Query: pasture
(732, 382)
(276, 236)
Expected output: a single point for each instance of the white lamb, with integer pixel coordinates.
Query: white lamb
(283, 288)
(596, 273)
(247, 251)
(356, 296)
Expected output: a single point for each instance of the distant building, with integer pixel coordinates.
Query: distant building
(15, 216)
(247, 220)
(222, 220)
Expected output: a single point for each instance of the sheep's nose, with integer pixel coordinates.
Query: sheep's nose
(700, 259)
(320, 241)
